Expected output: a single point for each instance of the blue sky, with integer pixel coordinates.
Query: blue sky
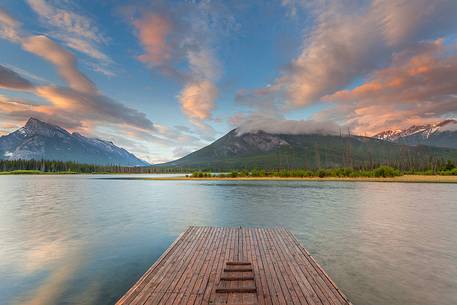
(163, 78)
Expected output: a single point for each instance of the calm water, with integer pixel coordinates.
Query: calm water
(81, 240)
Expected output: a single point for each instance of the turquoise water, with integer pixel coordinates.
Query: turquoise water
(83, 240)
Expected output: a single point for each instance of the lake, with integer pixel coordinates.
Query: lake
(87, 239)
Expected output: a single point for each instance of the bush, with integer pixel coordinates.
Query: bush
(322, 173)
(452, 172)
(386, 171)
(201, 175)
(234, 174)
(449, 166)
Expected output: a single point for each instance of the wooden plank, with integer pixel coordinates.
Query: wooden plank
(209, 295)
(230, 254)
(301, 284)
(237, 290)
(263, 295)
(237, 269)
(138, 290)
(320, 287)
(197, 295)
(234, 297)
(235, 266)
(281, 285)
(237, 278)
(320, 271)
(155, 294)
(316, 282)
(286, 274)
(189, 276)
(272, 279)
(238, 263)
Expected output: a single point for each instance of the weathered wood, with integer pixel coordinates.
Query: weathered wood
(236, 290)
(237, 278)
(235, 266)
(238, 270)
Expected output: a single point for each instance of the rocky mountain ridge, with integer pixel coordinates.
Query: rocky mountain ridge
(41, 140)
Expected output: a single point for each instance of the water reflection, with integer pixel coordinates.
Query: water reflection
(80, 240)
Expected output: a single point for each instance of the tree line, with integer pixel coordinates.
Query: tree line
(47, 166)
(50, 166)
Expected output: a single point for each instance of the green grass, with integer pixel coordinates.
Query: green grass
(22, 172)
(381, 171)
(35, 172)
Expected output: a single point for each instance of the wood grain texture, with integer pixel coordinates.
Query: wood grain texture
(213, 265)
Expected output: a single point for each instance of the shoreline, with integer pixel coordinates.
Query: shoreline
(404, 179)
(182, 177)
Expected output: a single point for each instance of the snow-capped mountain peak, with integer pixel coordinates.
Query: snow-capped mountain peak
(388, 134)
(37, 127)
(442, 133)
(41, 140)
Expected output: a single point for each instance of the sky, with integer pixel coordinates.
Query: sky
(164, 78)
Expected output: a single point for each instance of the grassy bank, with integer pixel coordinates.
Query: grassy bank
(379, 172)
(403, 178)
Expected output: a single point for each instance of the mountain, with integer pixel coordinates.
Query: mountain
(39, 140)
(440, 134)
(265, 150)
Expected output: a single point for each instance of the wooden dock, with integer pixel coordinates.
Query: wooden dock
(209, 265)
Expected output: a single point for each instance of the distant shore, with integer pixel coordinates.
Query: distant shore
(404, 178)
(35, 172)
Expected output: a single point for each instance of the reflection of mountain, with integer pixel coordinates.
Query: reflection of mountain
(267, 150)
(441, 134)
(39, 140)
(46, 239)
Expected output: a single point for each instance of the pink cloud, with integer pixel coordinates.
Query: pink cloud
(61, 58)
(350, 40)
(197, 99)
(76, 30)
(153, 31)
(80, 106)
(168, 41)
(417, 87)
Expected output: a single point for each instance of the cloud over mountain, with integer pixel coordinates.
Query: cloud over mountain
(291, 127)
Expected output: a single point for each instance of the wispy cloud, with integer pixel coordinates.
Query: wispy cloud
(8, 27)
(42, 46)
(80, 106)
(26, 73)
(67, 106)
(415, 88)
(76, 31)
(349, 41)
(197, 99)
(153, 31)
(64, 61)
(9, 79)
(187, 35)
(200, 92)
